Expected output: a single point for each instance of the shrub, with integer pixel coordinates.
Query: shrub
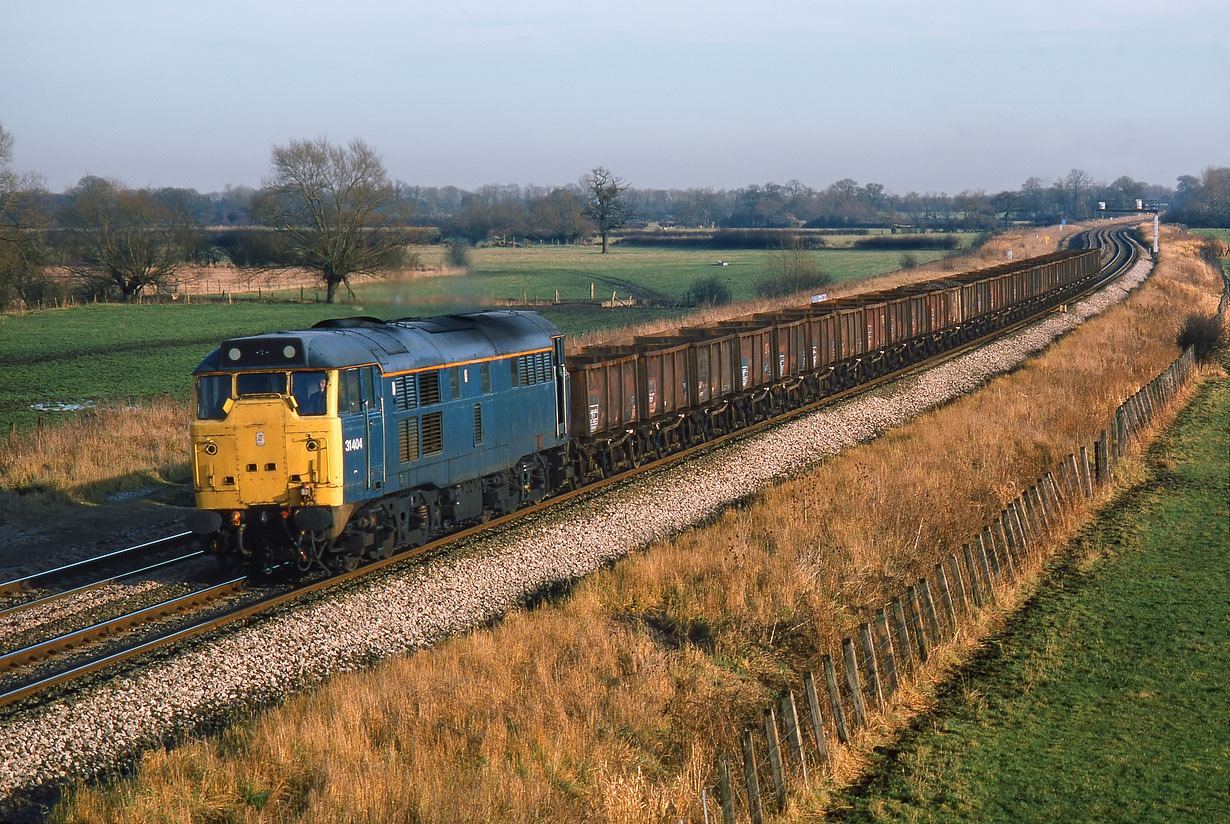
(1204, 333)
(459, 254)
(909, 260)
(710, 291)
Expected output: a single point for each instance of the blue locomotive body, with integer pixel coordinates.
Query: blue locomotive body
(420, 425)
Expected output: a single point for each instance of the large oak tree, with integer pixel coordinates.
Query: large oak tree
(334, 208)
(606, 201)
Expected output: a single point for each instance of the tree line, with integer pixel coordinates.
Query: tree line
(333, 210)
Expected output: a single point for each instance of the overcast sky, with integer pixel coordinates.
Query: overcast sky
(934, 96)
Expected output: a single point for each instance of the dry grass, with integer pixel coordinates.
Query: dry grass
(611, 704)
(97, 452)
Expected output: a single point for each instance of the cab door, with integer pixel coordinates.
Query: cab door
(361, 409)
(373, 397)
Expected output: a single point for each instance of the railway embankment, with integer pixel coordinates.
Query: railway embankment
(613, 701)
(1105, 692)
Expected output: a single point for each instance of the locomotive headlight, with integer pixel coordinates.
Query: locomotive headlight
(210, 448)
(312, 445)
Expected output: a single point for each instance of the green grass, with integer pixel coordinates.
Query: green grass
(1106, 698)
(121, 353)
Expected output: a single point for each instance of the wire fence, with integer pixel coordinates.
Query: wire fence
(895, 648)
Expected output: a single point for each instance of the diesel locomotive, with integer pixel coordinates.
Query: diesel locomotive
(327, 447)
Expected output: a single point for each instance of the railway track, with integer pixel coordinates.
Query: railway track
(1119, 254)
(55, 578)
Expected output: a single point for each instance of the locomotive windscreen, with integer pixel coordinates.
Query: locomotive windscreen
(263, 351)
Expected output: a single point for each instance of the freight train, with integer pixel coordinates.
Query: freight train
(324, 448)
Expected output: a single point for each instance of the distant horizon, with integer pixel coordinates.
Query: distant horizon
(954, 96)
(1047, 180)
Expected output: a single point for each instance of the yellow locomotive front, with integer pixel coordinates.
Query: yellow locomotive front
(266, 462)
(264, 439)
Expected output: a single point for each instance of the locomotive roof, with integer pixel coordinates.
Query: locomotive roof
(399, 345)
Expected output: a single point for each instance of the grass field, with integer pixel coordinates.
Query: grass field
(1106, 698)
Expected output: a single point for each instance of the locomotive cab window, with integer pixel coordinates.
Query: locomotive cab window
(260, 383)
(212, 393)
(310, 391)
(349, 392)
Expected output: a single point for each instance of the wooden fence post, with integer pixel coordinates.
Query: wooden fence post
(839, 713)
(750, 780)
(1058, 497)
(724, 792)
(950, 612)
(869, 664)
(1020, 554)
(1012, 545)
(997, 544)
(1052, 498)
(817, 722)
(775, 757)
(793, 737)
(987, 553)
(972, 569)
(853, 683)
(902, 640)
(1102, 457)
(958, 584)
(986, 572)
(1031, 513)
(928, 604)
(1086, 478)
(886, 650)
(911, 611)
(1074, 467)
(1022, 525)
(1035, 492)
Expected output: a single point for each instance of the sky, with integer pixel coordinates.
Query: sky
(942, 96)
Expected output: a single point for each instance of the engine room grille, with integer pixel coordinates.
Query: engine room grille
(478, 423)
(429, 388)
(534, 368)
(407, 391)
(408, 439)
(433, 434)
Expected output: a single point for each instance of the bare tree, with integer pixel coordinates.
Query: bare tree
(22, 231)
(335, 208)
(607, 205)
(125, 239)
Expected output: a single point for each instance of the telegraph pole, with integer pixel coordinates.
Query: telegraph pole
(1142, 208)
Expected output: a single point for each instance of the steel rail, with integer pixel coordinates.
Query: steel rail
(13, 610)
(172, 606)
(39, 578)
(268, 603)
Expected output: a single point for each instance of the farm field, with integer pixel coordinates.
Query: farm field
(1105, 698)
(536, 272)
